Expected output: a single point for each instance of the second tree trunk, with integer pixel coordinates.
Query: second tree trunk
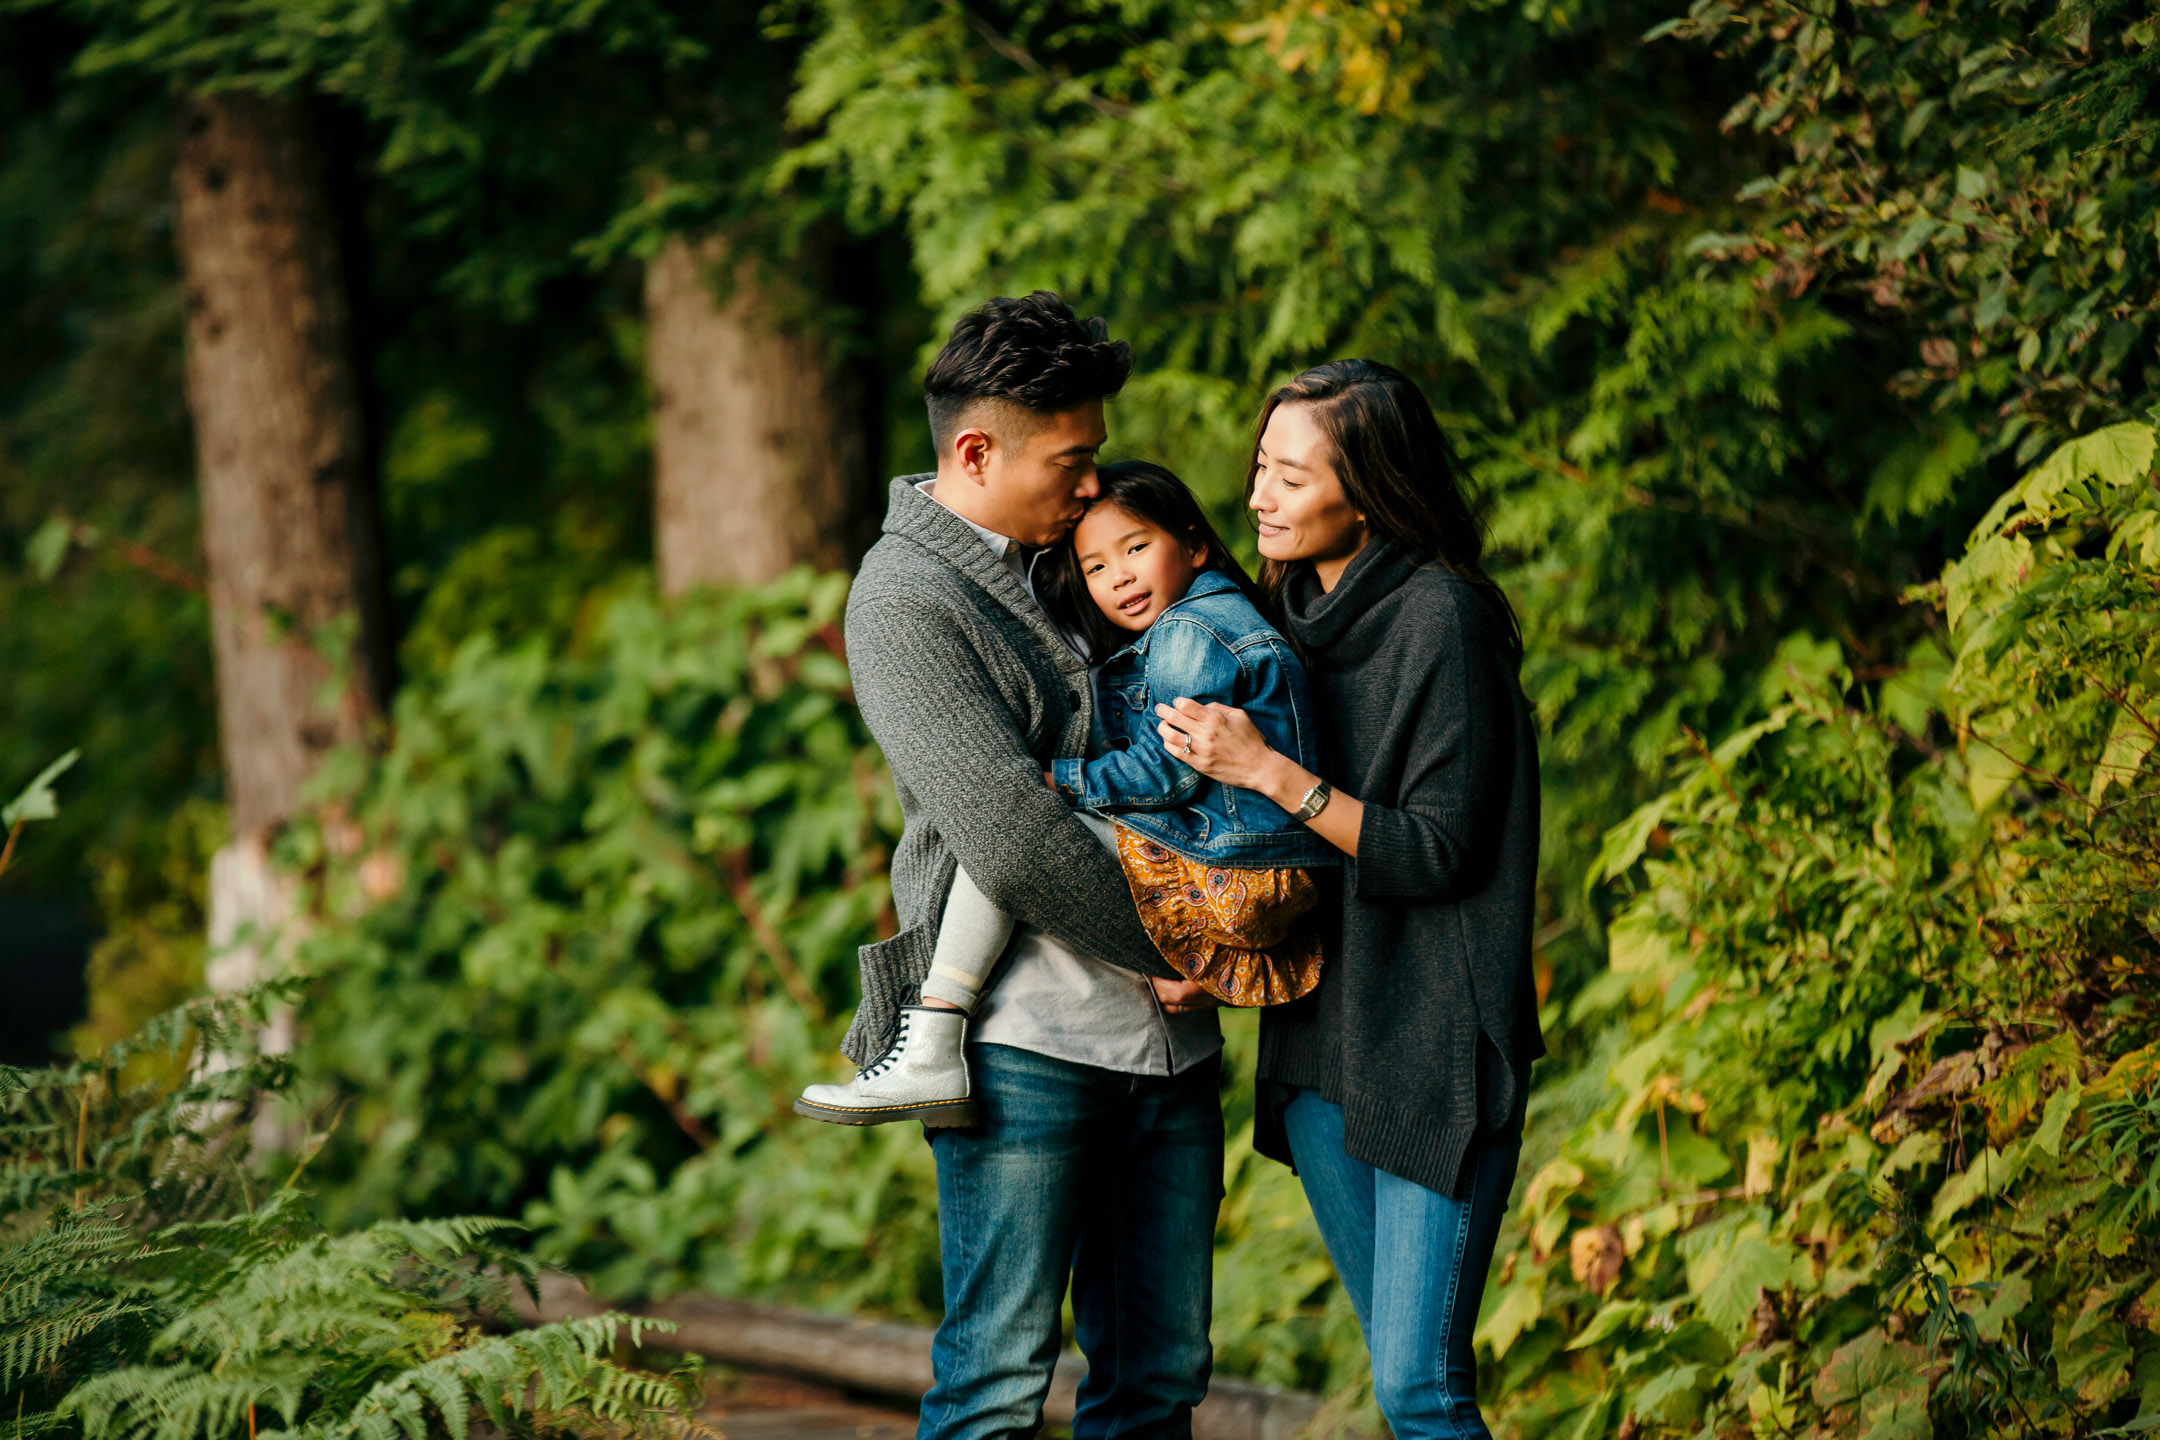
(757, 444)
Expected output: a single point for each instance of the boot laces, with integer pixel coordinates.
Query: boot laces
(891, 1057)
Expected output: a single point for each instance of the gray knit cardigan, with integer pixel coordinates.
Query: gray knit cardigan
(971, 693)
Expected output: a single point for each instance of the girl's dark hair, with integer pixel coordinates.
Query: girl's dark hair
(1396, 468)
(1146, 492)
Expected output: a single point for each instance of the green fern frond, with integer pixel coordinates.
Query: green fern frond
(144, 1296)
(560, 1368)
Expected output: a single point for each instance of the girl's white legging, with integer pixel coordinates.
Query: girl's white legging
(973, 934)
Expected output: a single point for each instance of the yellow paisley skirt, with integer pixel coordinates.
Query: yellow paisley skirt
(1234, 933)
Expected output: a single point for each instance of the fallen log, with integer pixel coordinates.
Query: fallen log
(881, 1358)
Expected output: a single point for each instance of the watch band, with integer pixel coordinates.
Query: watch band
(1315, 801)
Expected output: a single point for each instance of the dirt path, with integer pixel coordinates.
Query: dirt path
(745, 1406)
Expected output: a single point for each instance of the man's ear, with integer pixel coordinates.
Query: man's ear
(972, 447)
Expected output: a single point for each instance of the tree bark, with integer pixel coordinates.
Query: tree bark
(290, 533)
(758, 440)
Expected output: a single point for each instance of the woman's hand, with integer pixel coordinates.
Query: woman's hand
(1223, 744)
(1180, 996)
(1220, 742)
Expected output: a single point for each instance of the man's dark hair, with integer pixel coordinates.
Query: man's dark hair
(1031, 352)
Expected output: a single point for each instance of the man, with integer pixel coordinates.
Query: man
(1098, 1153)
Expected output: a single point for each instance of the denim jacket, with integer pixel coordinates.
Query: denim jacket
(1210, 645)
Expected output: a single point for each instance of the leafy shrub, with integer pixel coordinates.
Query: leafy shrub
(1870, 1144)
(587, 927)
(149, 1292)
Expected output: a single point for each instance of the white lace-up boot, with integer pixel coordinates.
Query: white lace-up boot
(923, 1077)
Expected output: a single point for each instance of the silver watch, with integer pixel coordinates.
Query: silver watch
(1315, 801)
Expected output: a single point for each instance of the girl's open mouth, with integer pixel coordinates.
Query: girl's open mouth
(1134, 604)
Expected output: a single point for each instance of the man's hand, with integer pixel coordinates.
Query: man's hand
(1179, 997)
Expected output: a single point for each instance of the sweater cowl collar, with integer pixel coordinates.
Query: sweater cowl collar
(1325, 622)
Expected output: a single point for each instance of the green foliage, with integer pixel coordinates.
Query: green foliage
(150, 958)
(1874, 1138)
(149, 1292)
(1982, 175)
(98, 653)
(143, 1294)
(1852, 1132)
(590, 924)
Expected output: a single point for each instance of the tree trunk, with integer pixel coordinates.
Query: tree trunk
(290, 533)
(758, 442)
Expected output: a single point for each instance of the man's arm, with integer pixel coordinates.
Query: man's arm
(948, 736)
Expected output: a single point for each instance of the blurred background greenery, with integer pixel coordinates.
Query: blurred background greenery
(1745, 314)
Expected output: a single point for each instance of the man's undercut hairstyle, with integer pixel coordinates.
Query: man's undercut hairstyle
(1027, 354)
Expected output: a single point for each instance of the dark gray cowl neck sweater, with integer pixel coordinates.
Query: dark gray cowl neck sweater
(1424, 1025)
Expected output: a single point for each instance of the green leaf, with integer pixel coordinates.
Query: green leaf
(37, 801)
(2092, 1349)
(1673, 1397)
(1988, 1174)
(1728, 1272)
(1992, 768)
(1612, 1318)
(1640, 943)
(2128, 743)
(2005, 1299)
(1914, 695)
(1520, 1307)
(48, 548)
(2060, 1107)
(1623, 844)
(1876, 1388)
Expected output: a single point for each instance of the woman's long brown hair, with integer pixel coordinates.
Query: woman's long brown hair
(1396, 466)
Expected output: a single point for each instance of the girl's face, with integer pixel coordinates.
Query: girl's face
(1303, 511)
(1135, 569)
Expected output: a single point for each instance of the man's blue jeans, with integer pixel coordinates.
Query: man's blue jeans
(1414, 1262)
(1110, 1179)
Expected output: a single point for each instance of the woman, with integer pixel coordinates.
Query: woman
(1397, 1089)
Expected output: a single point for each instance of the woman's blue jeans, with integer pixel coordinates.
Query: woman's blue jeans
(1414, 1262)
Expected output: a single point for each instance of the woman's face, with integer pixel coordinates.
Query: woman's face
(1299, 501)
(1135, 569)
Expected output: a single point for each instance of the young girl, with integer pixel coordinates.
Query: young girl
(1221, 876)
